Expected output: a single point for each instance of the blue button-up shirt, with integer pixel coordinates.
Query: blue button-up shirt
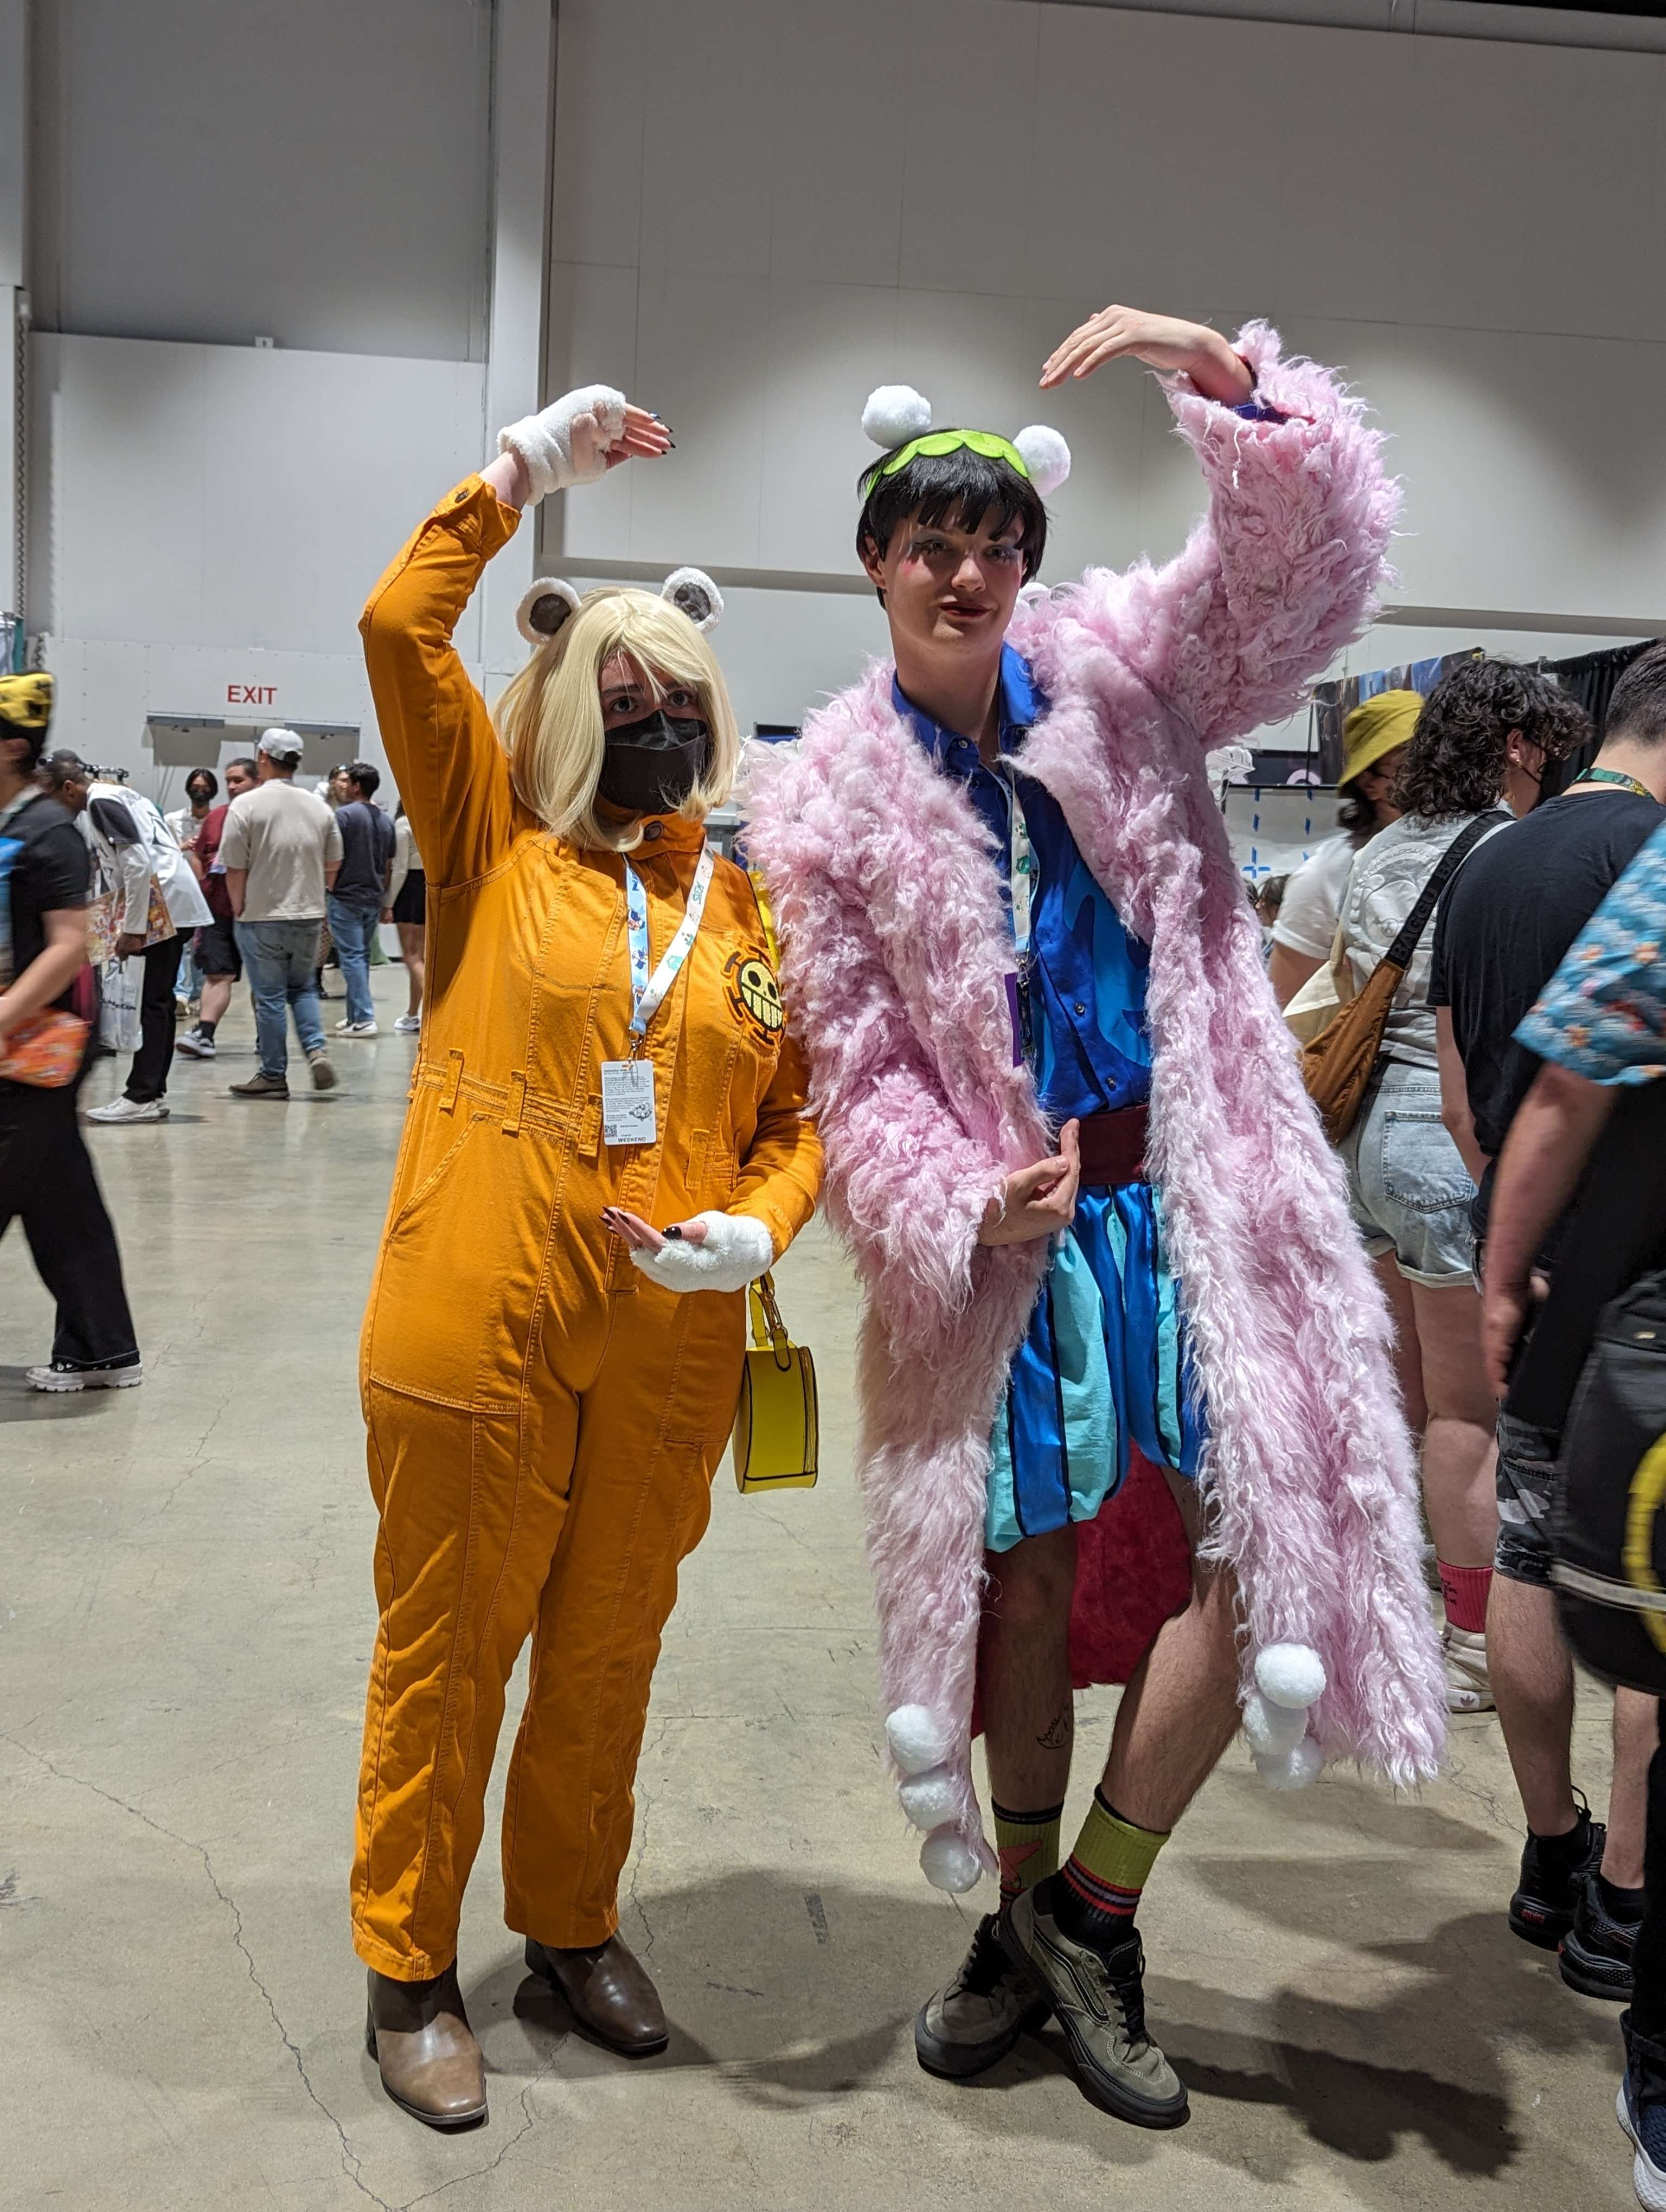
(1090, 1050)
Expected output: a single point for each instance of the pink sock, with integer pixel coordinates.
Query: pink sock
(1465, 1591)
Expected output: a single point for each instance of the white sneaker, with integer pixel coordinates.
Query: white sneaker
(60, 1375)
(408, 1026)
(355, 1029)
(195, 1045)
(1469, 1686)
(128, 1109)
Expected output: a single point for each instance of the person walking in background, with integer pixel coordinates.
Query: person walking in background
(158, 902)
(280, 849)
(46, 1179)
(216, 951)
(407, 909)
(202, 789)
(1476, 757)
(1500, 934)
(1374, 740)
(1584, 1156)
(361, 892)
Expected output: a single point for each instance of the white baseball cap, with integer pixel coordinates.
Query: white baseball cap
(281, 745)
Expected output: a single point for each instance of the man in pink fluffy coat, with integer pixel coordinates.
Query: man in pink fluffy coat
(1068, 1146)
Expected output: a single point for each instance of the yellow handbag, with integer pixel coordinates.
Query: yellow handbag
(777, 1427)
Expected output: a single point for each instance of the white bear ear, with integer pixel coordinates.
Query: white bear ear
(692, 591)
(894, 414)
(1045, 455)
(545, 607)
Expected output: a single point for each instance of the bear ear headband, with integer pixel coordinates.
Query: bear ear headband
(546, 605)
(897, 414)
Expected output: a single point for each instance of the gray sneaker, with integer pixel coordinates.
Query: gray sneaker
(977, 2017)
(1100, 2003)
(323, 1076)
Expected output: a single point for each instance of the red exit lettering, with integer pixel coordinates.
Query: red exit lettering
(251, 695)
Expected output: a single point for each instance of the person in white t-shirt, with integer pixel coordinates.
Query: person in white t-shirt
(1374, 740)
(282, 848)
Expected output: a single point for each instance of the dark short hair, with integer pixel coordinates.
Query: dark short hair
(1455, 762)
(962, 490)
(365, 774)
(247, 763)
(203, 775)
(65, 767)
(1637, 707)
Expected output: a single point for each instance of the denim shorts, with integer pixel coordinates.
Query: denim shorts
(1408, 1189)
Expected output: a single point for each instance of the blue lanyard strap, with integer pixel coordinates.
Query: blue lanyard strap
(647, 992)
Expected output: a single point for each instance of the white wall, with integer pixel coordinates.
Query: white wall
(311, 170)
(764, 207)
(217, 516)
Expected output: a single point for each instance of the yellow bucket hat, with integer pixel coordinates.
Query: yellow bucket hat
(1374, 727)
(26, 701)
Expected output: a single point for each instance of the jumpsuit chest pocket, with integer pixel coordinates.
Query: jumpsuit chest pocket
(460, 1263)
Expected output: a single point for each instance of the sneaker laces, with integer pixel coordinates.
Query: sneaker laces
(1128, 1984)
(988, 1963)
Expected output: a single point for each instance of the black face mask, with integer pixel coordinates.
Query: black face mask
(651, 766)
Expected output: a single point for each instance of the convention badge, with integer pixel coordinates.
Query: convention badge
(628, 1110)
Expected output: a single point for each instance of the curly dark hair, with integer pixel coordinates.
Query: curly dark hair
(1456, 760)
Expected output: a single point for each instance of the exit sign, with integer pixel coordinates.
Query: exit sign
(251, 695)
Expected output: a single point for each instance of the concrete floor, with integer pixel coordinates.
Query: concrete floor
(187, 1616)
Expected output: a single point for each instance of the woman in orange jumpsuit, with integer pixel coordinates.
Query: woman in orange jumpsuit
(544, 1416)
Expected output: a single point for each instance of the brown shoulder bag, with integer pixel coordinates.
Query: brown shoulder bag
(1337, 1065)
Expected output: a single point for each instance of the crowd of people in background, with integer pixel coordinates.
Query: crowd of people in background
(1505, 1202)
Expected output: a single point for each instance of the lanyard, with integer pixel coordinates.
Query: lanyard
(647, 992)
(1615, 775)
(1021, 872)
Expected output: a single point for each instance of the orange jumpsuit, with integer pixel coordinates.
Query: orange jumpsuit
(544, 1420)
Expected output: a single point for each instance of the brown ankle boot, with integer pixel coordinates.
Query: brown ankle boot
(608, 1990)
(419, 2036)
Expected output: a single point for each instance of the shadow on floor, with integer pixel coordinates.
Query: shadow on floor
(800, 1996)
(20, 1402)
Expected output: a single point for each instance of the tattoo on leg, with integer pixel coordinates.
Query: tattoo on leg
(1056, 1735)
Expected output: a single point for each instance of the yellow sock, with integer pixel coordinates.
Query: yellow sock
(1028, 1845)
(1098, 1889)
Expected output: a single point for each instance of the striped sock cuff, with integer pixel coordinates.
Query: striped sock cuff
(1114, 1853)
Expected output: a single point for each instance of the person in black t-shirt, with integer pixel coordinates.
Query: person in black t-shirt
(1502, 928)
(46, 1180)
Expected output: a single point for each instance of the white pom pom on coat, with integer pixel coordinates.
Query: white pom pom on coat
(894, 414)
(1046, 456)
(1272, 1731)
(1290, 1675)
(536, 617)
(948, 1862)
(928, 1798)
(1295, 1769)
(916, 1742)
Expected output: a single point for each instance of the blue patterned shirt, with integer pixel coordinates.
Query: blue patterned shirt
(1091, 1050)
(1602, 1014)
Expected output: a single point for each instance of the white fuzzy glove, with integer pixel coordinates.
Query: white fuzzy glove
(567, 443)
(737, 1251)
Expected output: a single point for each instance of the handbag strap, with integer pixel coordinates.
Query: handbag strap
(1402, 952)
(768, 1327)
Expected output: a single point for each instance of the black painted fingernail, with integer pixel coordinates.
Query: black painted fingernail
(674, 1233)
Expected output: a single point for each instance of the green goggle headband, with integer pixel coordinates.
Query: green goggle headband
(936, 443)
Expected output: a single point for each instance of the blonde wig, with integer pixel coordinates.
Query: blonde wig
(549, 719)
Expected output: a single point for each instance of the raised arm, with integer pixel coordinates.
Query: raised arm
(1287, 563)
(449, 766)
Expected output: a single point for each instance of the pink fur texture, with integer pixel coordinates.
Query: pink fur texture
(895, 961)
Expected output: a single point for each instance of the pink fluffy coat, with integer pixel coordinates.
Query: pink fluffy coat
(894, 960)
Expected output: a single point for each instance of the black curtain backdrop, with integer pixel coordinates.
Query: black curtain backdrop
(1590, 677)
